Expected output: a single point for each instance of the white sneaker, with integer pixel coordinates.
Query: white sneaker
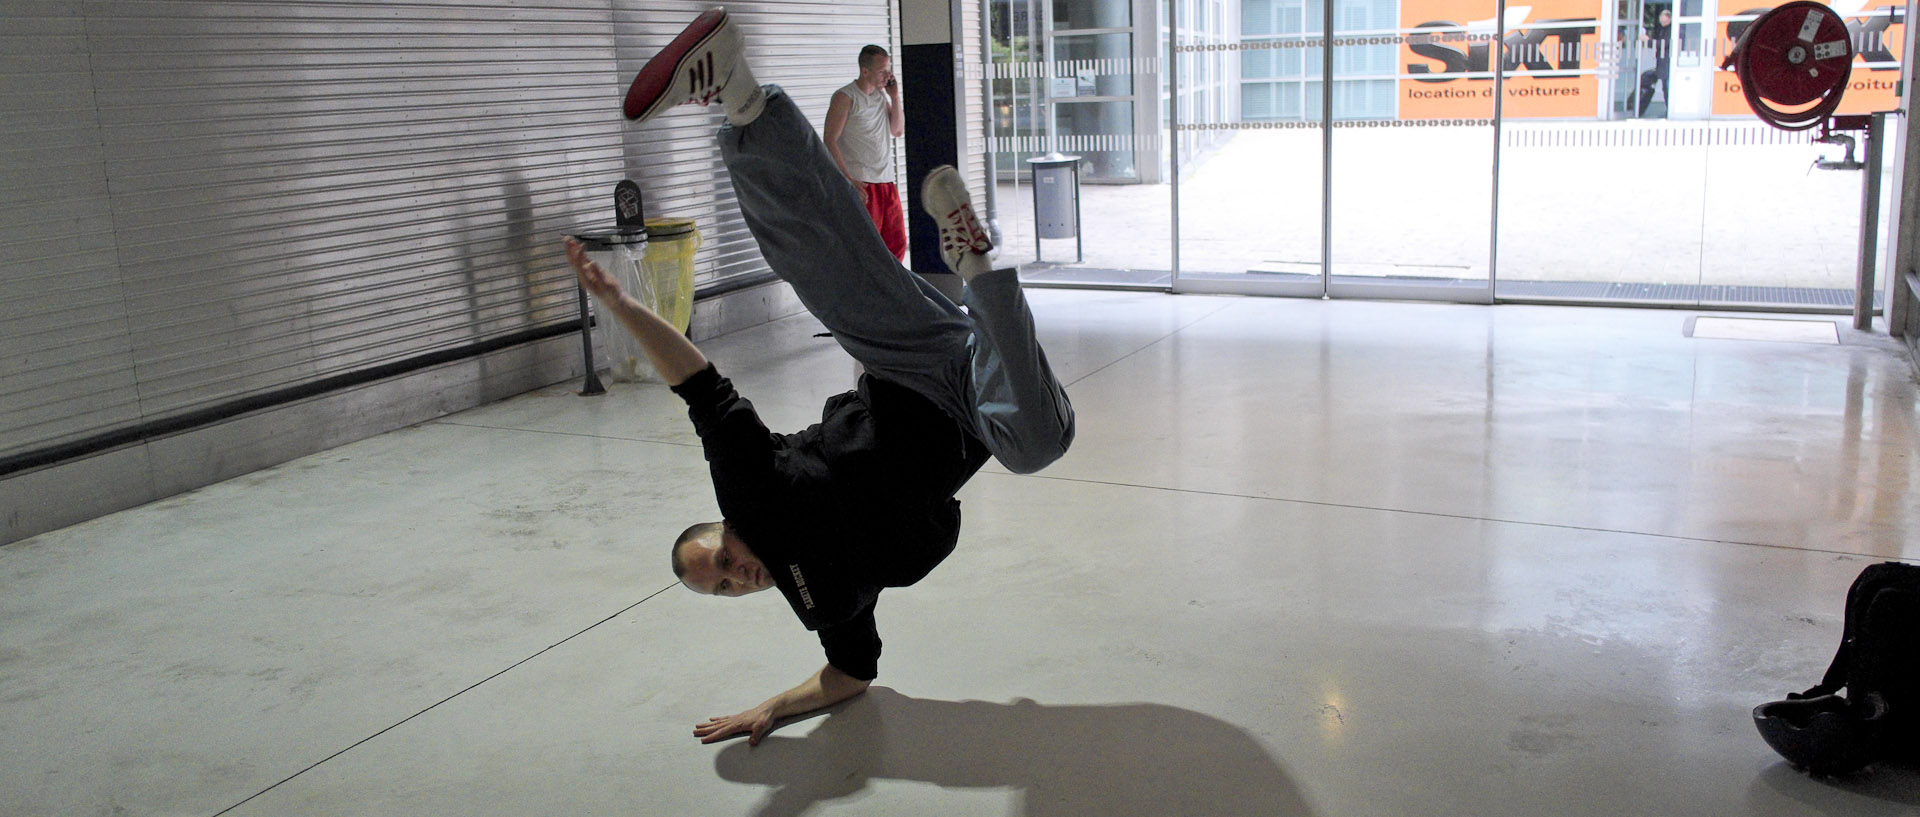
(944, 196)
(698, 66)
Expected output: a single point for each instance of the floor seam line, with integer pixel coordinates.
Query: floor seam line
(469, 688)
(1155, 342)
(1497, 520)
(562, 433)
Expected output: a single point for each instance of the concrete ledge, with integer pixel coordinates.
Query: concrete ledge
(1903, 316)
(743, 308)
(78, 490)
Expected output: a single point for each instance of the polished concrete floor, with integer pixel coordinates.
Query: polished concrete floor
(1306, 558)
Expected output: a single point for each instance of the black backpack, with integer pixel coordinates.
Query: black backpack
(1878, 665)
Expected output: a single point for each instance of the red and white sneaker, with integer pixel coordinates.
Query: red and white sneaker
(698, 66)
(944, 196)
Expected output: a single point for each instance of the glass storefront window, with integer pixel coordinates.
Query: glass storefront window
(1073, 14)
(1093, 79)
(1100, 133)
(1623, 150)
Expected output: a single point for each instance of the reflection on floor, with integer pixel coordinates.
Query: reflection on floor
(1626, 294)
(1306, 558)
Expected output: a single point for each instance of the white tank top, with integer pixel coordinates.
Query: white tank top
(865, 144)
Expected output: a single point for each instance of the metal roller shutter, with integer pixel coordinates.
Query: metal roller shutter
(210, 202)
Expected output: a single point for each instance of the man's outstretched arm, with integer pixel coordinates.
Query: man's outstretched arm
(827, 687)
(671, 354)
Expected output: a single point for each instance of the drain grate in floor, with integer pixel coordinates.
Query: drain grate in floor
(1682, 293)
(1774, 329)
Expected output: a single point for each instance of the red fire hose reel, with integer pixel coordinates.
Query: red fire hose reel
(1795, 55)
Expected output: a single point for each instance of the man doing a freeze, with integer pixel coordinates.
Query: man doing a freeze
(863, 500)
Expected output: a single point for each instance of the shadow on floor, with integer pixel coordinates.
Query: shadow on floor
(1888, 787)
(1077, 761)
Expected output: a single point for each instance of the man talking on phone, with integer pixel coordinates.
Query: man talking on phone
(862, 120)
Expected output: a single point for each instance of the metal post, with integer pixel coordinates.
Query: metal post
(592, 386)
(1901, 283)
(1079, 257)
(1046, 91)
(1326, 148)
(990, 193)
(1499, 97)
(1173, 133)
(1869, 224)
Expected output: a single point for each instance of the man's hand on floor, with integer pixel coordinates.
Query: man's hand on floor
(827, 687)
(755, 723)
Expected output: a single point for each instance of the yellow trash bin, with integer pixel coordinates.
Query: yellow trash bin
(668, 266)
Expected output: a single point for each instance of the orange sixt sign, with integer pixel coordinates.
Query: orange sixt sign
(1878, 29)
(1547, 56)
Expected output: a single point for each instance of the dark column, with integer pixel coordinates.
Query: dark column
(926, 68)
(932, 140)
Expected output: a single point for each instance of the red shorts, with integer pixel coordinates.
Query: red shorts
(883, 206)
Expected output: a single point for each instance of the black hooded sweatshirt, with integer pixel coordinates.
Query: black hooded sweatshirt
(860, 501)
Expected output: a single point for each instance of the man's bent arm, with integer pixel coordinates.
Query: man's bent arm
(837, 111)
(671, 354)
(896, 114)
(827, 687)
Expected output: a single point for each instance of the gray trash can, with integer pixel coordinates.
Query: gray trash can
(1056, 200)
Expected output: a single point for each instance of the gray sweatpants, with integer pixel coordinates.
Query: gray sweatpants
(983, 365)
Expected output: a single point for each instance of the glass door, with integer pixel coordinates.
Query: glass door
(1416, 88)
(1360, 171)
(1250, 147)
(1600, 190)
(1079, 145)
(1782, 216)
(1672, 192)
